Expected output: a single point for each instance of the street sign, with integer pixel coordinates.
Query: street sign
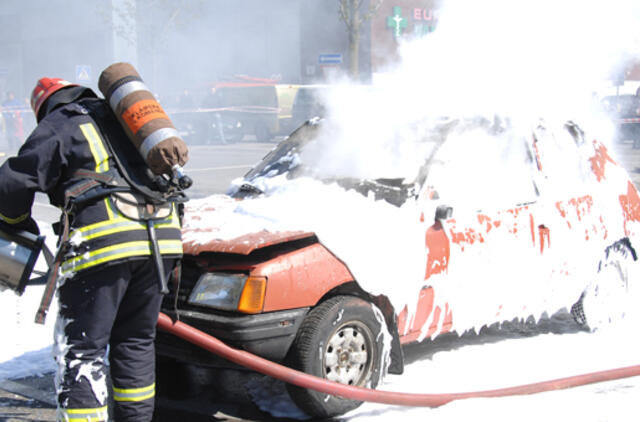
(83, 73)
(335, 58)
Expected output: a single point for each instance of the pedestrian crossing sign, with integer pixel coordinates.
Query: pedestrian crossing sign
(83, 73)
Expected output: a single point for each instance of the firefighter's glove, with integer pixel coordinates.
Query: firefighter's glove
(28, 224)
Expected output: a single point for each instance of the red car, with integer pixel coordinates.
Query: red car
(508, 225)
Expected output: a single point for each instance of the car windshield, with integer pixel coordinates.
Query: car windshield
(436, 156)
(285, 159)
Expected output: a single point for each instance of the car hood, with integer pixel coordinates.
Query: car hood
(210, 225)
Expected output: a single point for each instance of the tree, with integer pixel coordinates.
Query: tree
(354, 13)
(147, 24)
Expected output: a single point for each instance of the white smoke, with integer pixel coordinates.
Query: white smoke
(524, 60)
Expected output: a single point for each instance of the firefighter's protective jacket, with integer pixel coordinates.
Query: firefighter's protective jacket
(69, 139)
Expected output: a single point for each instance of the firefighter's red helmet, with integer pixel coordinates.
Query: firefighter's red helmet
(43, 90)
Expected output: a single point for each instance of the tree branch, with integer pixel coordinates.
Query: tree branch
(374, 5)
(345, 12)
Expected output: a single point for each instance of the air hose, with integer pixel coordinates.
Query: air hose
(322, 385)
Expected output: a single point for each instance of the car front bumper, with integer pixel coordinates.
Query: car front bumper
(267, 335)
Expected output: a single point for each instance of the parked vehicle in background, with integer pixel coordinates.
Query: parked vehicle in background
(220, 127)
(309, 103)
(508, 225)
(233, 110)
(247, 108)
(624, 111)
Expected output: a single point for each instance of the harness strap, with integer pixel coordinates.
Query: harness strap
(54, 270)
(176, 276)
(105, 178)
(79, 189)
(92, 181)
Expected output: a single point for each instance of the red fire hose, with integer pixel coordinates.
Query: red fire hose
(303, 380)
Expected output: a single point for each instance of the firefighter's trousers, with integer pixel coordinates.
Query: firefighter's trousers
(115, 306)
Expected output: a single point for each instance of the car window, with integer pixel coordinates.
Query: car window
(480, 169)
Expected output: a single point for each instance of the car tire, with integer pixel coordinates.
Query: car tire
(347, 332)
(607, 299)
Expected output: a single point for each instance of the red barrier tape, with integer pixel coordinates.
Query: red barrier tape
(301, 379)
(237, 109)
(629, 120)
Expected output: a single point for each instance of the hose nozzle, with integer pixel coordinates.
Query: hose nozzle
(184, 181)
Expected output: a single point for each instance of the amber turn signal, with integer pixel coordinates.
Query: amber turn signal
(252, 297)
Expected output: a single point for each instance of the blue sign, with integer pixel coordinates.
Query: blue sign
(335, 58)
(83, 73)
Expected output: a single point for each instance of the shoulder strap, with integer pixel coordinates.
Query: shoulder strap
(92, 185)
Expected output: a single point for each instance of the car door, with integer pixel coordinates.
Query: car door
(483, 261)
(582, 208)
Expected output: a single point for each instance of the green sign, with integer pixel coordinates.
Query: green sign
(396, 22)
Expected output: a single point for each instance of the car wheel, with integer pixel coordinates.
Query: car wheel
(339, 340)
(607, 299)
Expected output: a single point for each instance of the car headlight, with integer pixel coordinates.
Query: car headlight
(230, 292)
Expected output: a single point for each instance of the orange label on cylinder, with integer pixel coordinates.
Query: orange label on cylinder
(142, 113)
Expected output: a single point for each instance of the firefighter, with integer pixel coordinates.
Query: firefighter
(108, 293)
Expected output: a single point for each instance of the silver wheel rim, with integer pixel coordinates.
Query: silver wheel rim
(348, 356)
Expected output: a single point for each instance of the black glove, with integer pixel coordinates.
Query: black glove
(28, 224)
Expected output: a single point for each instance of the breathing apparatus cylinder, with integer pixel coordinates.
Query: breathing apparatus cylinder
(145, 122)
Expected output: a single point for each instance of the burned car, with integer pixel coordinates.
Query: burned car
(332, 275)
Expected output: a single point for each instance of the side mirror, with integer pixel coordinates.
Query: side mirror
(443, 212)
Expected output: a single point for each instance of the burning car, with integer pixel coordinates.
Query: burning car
(332, 274)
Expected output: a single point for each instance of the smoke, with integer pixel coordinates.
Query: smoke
(523, 61)
(542, 58)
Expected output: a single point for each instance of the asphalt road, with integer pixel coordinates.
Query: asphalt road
(212, 167)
